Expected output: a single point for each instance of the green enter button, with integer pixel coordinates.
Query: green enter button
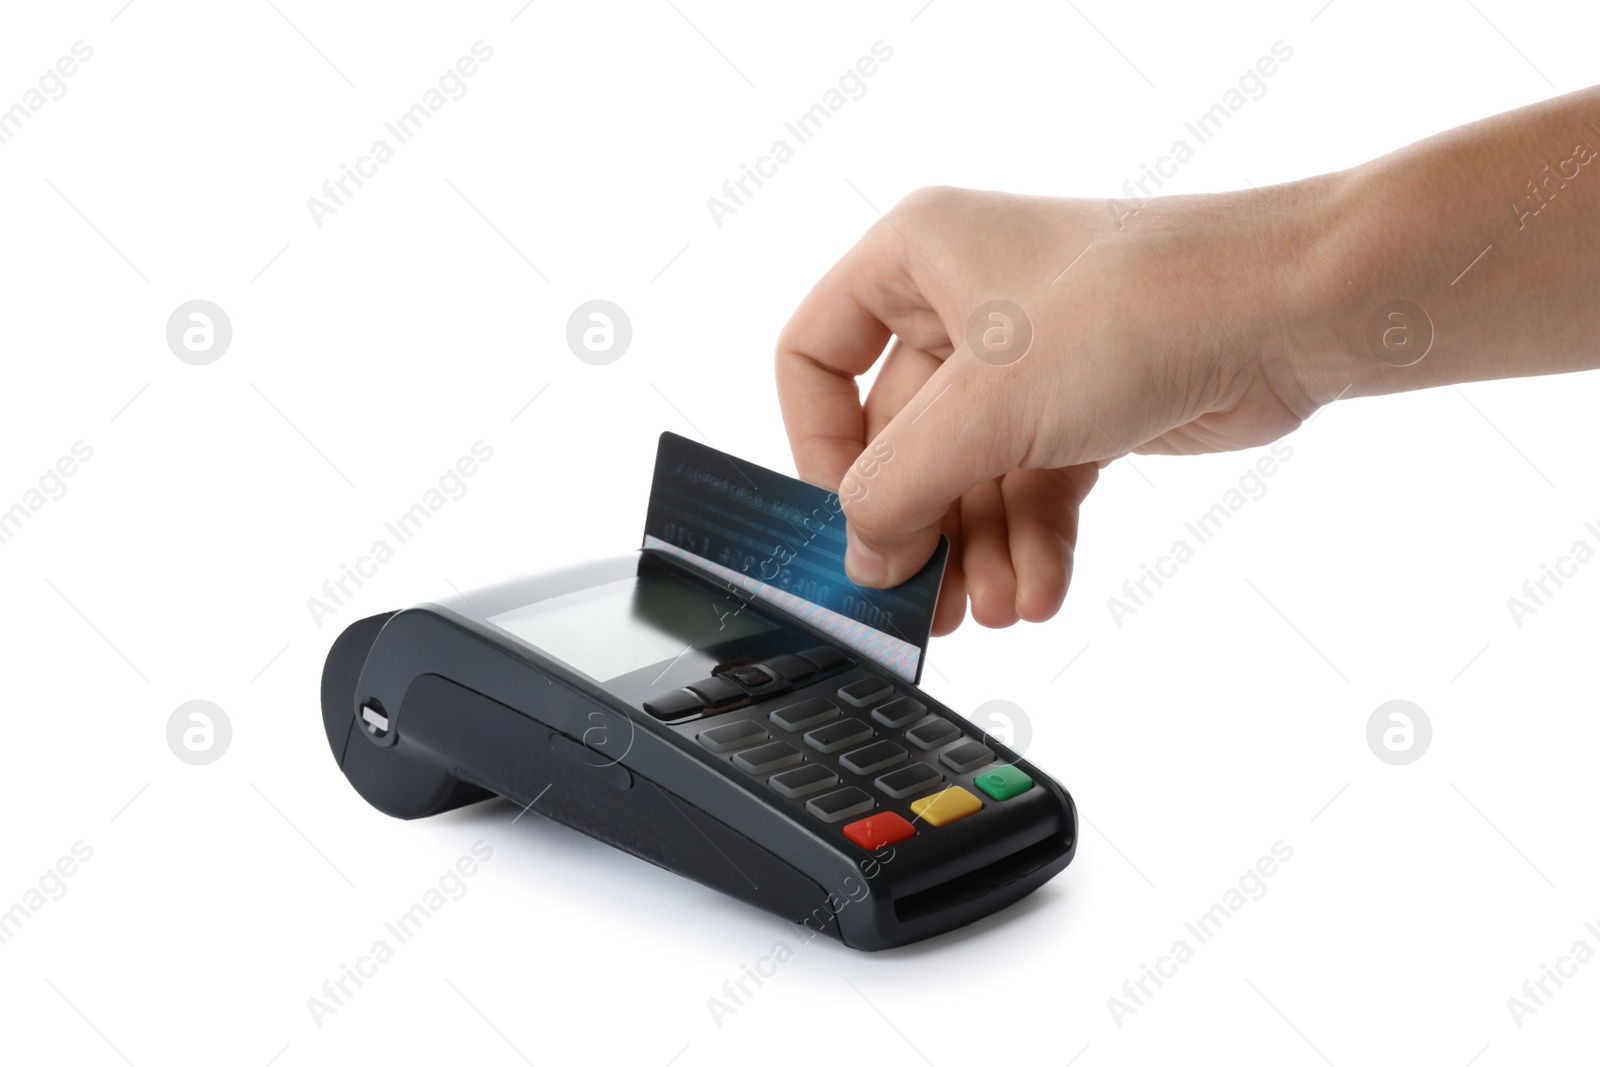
(1003, 783)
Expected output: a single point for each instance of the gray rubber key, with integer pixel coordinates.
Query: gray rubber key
(803, 781)
(764, 759)
(932, 732)
(733, 735)
(805, 714)
(875, 757)
(838, 735)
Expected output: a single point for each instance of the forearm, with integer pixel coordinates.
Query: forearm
(1490, 233)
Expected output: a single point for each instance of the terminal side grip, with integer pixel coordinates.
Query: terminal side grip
(341, 673)
(503, 750)
(403, 781)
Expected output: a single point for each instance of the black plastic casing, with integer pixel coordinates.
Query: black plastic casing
(474, 712)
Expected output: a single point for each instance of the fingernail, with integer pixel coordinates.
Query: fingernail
(865, 565)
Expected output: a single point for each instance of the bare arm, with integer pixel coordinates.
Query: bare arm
(1493, 230)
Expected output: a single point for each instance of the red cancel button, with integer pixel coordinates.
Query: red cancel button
(879, 830)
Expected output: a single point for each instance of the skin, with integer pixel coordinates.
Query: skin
(1179, 325)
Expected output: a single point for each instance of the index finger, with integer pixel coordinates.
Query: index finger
(837, 333)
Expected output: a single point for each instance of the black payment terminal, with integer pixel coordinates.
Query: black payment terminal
(652, 704)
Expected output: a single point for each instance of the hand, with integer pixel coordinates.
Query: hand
(1172, 325)
(1164, 332)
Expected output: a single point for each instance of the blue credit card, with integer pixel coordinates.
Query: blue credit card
(780, 540)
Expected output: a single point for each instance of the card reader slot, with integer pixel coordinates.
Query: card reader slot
(980, 883)
(953, 852)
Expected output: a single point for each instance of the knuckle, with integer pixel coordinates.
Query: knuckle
(929, 199)
(858, 513)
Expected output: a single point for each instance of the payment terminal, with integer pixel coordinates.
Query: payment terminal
(722, 703)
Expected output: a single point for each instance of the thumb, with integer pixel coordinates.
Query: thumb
(956, 432)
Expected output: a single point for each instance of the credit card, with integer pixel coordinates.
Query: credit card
(780, 540)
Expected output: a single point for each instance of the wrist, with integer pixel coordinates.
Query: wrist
(1248, 278)
(1316, 346)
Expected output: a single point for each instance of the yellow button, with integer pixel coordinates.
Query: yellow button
(946, 806)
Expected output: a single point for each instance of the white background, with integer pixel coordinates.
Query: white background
(426, 314)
